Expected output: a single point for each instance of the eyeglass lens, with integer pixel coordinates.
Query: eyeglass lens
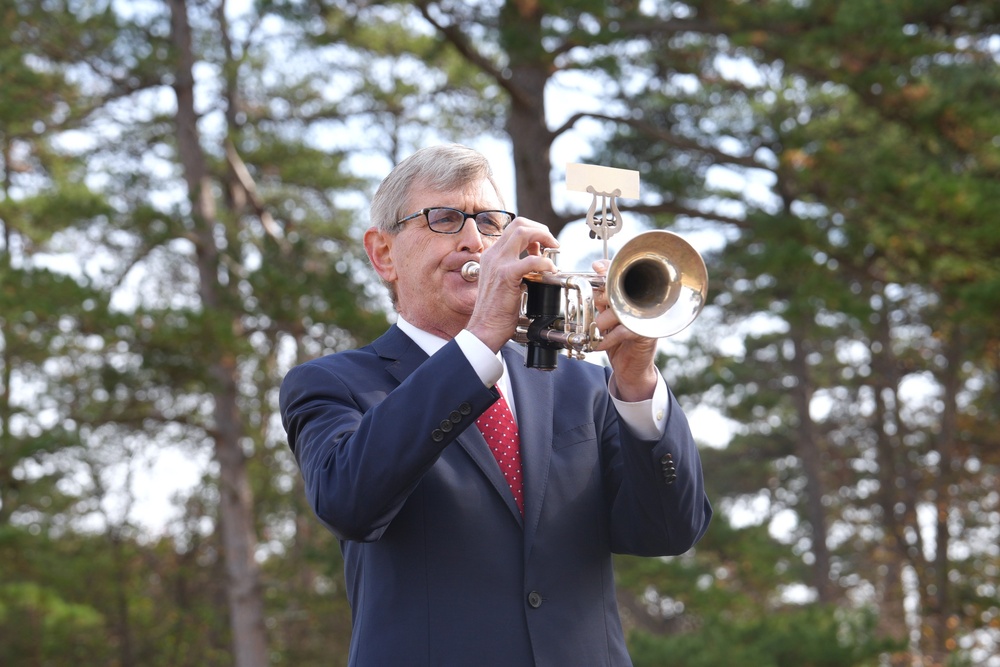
(450, 221)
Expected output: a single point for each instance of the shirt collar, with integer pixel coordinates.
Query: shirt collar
(428, 342)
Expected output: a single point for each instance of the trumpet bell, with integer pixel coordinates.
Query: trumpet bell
(657, 284)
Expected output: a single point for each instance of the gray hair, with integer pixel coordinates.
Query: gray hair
(443, 168)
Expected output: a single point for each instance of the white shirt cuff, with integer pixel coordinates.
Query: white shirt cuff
(646, 419)
(486, 364)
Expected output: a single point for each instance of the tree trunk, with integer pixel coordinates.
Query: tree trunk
(530, 137)
(246, 609)
(8, 485)
(809, 454)
(895, 489)
(939, 638)
(532, 142)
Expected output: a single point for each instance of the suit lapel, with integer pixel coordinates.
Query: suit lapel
(403, 357)
(533, 399)
(474, 444)
(402, 354)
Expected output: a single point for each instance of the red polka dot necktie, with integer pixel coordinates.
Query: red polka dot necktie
(500, 431)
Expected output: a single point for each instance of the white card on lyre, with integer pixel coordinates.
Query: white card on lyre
(603, 180)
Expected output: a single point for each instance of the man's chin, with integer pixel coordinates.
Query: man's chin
(465, 307)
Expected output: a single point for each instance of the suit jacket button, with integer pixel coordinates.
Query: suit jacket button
(446, 425)
(465, 409)
(437, 435)
(535, 599)
(455, 416)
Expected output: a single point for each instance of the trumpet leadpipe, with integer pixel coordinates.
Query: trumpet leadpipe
(571, 340)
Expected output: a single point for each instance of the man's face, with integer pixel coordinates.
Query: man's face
(426, 265)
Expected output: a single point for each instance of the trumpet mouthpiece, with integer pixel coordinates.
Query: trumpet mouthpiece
(470, 271)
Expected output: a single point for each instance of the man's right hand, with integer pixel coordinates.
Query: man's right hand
(515, 254)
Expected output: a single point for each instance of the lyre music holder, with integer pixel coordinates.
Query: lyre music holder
(609, 184)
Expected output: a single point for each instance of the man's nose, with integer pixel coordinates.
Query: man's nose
(469, 237)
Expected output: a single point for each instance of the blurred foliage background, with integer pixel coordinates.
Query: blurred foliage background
(183, 187)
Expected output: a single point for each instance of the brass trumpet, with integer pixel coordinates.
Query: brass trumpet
(656, 285)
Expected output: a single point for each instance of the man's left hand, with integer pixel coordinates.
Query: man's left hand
(632, 356)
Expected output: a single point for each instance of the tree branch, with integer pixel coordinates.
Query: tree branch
(658, 134)
(457, 39)
(250, 187)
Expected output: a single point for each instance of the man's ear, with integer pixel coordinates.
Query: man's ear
(378, 245)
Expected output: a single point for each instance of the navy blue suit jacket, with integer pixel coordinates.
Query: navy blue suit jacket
(441, 567)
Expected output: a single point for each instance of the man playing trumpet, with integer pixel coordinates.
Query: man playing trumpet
(478, 502)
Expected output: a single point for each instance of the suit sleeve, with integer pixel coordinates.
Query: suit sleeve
(658, 503)
(362, 451)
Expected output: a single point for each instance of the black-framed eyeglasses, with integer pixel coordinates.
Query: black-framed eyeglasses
(446, 220)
